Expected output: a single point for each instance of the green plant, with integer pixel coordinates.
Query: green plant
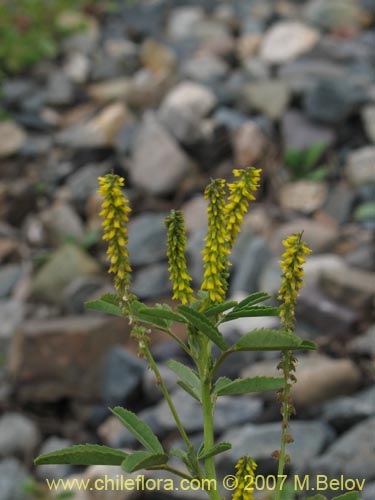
(30, 30)
(303, 163)
(201, 314)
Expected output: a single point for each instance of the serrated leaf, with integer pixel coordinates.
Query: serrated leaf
(143, 460)
(141, 313)
(252, 299)
(204, 325)
(108, 303)
(222, 382)
(83, 454)
(247, 385)
(176, 452)
(271, 340)
(189, 390)
(139, 429)
(215, 450)
(186, 374)
(313, 153)
(251, 312)
(162, 312)
(220, 308)
(350, 495)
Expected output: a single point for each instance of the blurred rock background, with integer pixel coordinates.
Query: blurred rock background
(170, 94)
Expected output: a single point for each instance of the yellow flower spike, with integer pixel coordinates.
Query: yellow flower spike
(215, 253)
(241, 193)
(245, 479)
(176, 247)
(115, 212)
(292, 277)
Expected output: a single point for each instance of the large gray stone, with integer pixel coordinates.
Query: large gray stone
(12, 477)
(147, 239)
(152, 282)
(158, 164)
(19, 436)
(300, 133)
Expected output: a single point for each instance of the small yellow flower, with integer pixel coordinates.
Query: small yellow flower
(215, 253)
(292, 277)
(115, 211)
(241, 193)
(245, 476)
(176, 247)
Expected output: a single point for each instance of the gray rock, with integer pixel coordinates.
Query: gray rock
(337, 14)
(340, 202)
(249, 143)
(267, 96)
(364, 344)
(62, 223)
(316, 265)
(77, 67)
(303, 196)
(328, 316)
(122, 375)
(55, 471)
(65, 265)
(300, 133)
(12, 477)
(286, 40)
(360, 166)
(184, 108)
(150, 387)
(228, 412)
(310, 437)
(36, 145)
(152, 282)
(229, 118)
(249, 266)
(12, 138)
(331, 101)
(147, 239)
(84, 182)
(10, 274)
(81, 290)
(195, 247)
(158, 165)
(183, 20)
(19, 436)
(11, 315)
(343, 413)
(205, 69)
(368, 118)
(60, 90)
(368, 492)
(352, 455)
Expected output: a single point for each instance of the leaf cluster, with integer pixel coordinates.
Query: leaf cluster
(304, 163)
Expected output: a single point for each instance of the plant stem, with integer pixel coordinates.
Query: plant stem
(284, 430)
(165, 392)
(172, 470)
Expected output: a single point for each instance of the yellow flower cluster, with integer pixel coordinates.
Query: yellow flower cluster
(241, 193)
(215, 253)
(245, 476)
(176, 246)
(292, 277)
(115, 211)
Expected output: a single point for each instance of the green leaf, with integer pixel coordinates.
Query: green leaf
(186, 374)
(176, 452)
(143, 460)
(220, 308)
(161, 312)
(317, 497)
(251, 312)
(365, 212)
(189, 390)
(219, 448)
(351, 495)
(254, 384)
(271, 340)
(293, 158)
(141, 313)
(108, 303)
(252, 299)
(204, 325)
(83, 454)
(313, 153)
(139, 429)
(222, 382)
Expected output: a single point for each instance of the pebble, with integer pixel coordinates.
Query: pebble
(249, 144)
(110, 90)
(10, 275)
(270, 97)
(147, 239)
(359, 168)
(368, 119)
(183, 20)
(248, 266)
(300, 133)
(287, 40)
(66, 346)
(157, 57)
(352, 455)
(61, 223)
(303, 196)
(226, 414)
(205, 69)
(122, 375)
(19, 436)
(364, 344)
(194, 212)
(337, 15)
(152, 281)
(12, 138)
(56, 471)
(183, 109)
(60, 90)
(158, 164)
(12, 476)
(12, 313)
(65, 264)
(77, 67)
(310, 438)
(84, 182)
(320, 378)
